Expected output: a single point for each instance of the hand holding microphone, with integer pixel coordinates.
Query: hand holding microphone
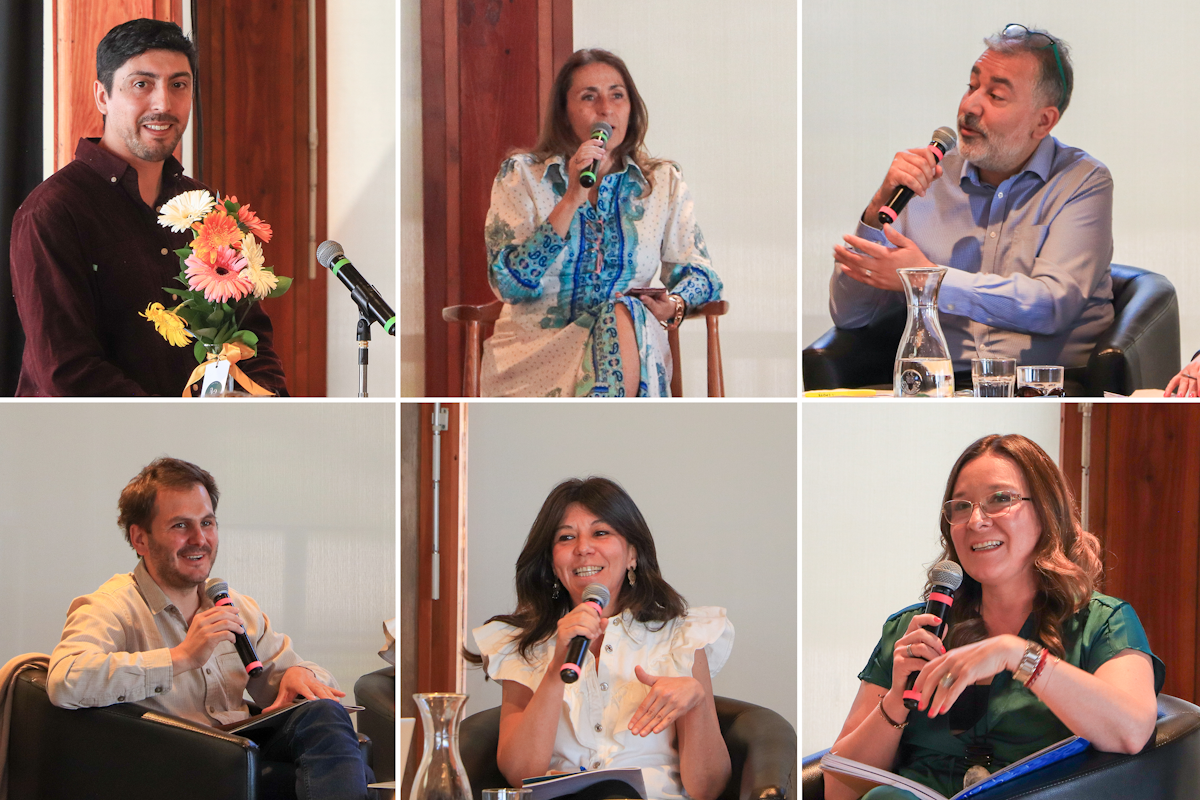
(600, 133)
(912, 172)
(584, 624)
(947, 577)
(218, 591)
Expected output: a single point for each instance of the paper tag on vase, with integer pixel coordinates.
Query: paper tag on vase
(216, 379)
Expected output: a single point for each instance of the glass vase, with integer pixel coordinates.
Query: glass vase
(441, 775)
(923, 366)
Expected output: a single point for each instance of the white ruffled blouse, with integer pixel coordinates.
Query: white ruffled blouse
(593, 728)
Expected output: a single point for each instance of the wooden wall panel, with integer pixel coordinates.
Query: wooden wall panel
(79, 25)
(486, 70)
(254, 74)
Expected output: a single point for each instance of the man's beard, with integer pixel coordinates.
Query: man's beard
(165, 571)
(156, 150)
(991, 152)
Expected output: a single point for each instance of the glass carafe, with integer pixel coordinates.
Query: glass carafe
(923, 367)
(441, 775)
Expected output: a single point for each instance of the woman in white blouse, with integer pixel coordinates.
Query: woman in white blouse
(644, 696)
(570, 259)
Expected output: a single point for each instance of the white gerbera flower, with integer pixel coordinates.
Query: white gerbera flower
(182, 210)
(264, 280)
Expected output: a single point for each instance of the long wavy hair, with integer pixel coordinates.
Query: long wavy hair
(651, 600)
(558, 138)
(1066, 560)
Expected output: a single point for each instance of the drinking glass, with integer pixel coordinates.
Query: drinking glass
(1039, 381)
(994, 377)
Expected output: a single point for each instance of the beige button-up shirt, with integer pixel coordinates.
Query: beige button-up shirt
(115, 648)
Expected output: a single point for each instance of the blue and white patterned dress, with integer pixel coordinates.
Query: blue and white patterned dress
(557, 334)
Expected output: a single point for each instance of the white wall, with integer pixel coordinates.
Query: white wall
(716, 484)
(360, 62)
(307, 513)
(719, 80)
(879, 78)
(873, 479)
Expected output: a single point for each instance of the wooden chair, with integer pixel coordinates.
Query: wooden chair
(475, 317)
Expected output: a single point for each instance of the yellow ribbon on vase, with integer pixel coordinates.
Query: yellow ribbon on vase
(232, 352)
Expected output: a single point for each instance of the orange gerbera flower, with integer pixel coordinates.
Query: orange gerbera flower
(248, 218)
(216, 231)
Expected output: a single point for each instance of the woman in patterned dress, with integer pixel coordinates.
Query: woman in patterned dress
(564, 258)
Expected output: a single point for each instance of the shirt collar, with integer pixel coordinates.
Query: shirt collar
(1040, 163)
(634, 629)
(558, 164)
(115, 169)
(155, 597)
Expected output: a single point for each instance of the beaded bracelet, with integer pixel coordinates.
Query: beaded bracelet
(889, 720)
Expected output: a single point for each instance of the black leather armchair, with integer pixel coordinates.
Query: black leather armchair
(376, 692)
(1168, 768)
(125, 751)
(1139, 350)
(762, 751)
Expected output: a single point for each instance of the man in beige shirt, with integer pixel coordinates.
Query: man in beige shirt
(152, 637)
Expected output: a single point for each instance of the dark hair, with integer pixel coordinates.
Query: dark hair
(1054, 87)
(131, 39)
(558, 138)
(136, 506)
(1066, 560)
(651, 600)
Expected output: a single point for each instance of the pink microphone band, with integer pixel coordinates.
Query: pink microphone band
(253, 665)
(567, 668)
(937, 152)
(224, 601)
(941, 598)
(887, 210)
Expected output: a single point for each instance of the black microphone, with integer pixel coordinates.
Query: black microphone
(594, 593)
(947, 577)
(600, 131)
(331, 256)
(943, 142)
(218, 591)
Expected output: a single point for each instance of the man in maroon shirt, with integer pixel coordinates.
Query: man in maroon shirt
(87, 252)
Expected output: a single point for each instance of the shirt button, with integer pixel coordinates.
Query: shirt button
(597, 727)
(113, 179)
(121, 699)
(158, 690)
(992, 234)
(207, 671)
(1000, 195)
(595, 765)
(617, 622)
(164, 251)
(608, 648)
(950, 306)
(604, 687)
(212, 710)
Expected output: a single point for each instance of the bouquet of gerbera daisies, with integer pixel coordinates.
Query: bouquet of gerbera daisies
(222, 276)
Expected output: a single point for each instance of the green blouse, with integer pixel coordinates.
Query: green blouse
(1015, 722)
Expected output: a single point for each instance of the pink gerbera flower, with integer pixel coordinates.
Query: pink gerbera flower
(220, 280)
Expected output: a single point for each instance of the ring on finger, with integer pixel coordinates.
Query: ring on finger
(910, 652)
(947, 681)
(868, 272)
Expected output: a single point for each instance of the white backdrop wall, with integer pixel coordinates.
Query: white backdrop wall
(716, 484)
(873, 480)
(879, 78)
(307, 513)
(360, 73)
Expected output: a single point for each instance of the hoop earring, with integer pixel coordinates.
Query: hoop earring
(631, 576)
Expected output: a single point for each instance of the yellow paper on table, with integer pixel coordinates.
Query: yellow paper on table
(841, 393)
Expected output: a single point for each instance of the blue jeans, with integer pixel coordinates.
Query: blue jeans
(319, 739)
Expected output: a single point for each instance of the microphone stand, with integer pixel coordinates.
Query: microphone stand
(364, 344)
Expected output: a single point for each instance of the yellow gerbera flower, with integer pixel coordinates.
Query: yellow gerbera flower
(168, 324)
(183, 210)
(264, 281)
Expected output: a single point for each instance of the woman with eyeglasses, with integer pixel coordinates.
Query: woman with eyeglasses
(1033, 652)
(577, 230)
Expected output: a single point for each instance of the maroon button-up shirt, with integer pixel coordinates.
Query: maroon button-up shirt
(87, 255)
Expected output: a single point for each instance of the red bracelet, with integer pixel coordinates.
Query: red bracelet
(1037, 670)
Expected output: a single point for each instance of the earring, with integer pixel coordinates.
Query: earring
(631, 576)
(557, 586)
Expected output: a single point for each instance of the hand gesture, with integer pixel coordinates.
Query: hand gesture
(663, 308)
(1187, 382)
(921, 644)
(669, 699)
(590, 150)
(917, 169)
(208, 628)
(964, 666)
(875, 264)
(583, 620)
(301, 682)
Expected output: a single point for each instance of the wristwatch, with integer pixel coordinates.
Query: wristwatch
(1029, 661)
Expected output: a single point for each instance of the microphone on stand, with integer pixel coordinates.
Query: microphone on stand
(600, 131)
(947, 577)
(217, 590)
(331, 256)
(944, 139)
(576, 650)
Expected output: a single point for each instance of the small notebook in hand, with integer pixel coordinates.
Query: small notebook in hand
(268, 720)
(881, 777)
(546, 787)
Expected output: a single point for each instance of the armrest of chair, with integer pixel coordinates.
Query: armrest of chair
(120, 751)
(849, 358)
(485, 313)
(376, 692)
(766, 744)
(812, 779)
(478, 740)
(1141, 348)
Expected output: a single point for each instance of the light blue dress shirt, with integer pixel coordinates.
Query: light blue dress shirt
(1029, 260)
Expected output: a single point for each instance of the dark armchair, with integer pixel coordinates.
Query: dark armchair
(762, 750)
(125, 751)
(1168, 768)
(376, 692)
(1139, 350)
